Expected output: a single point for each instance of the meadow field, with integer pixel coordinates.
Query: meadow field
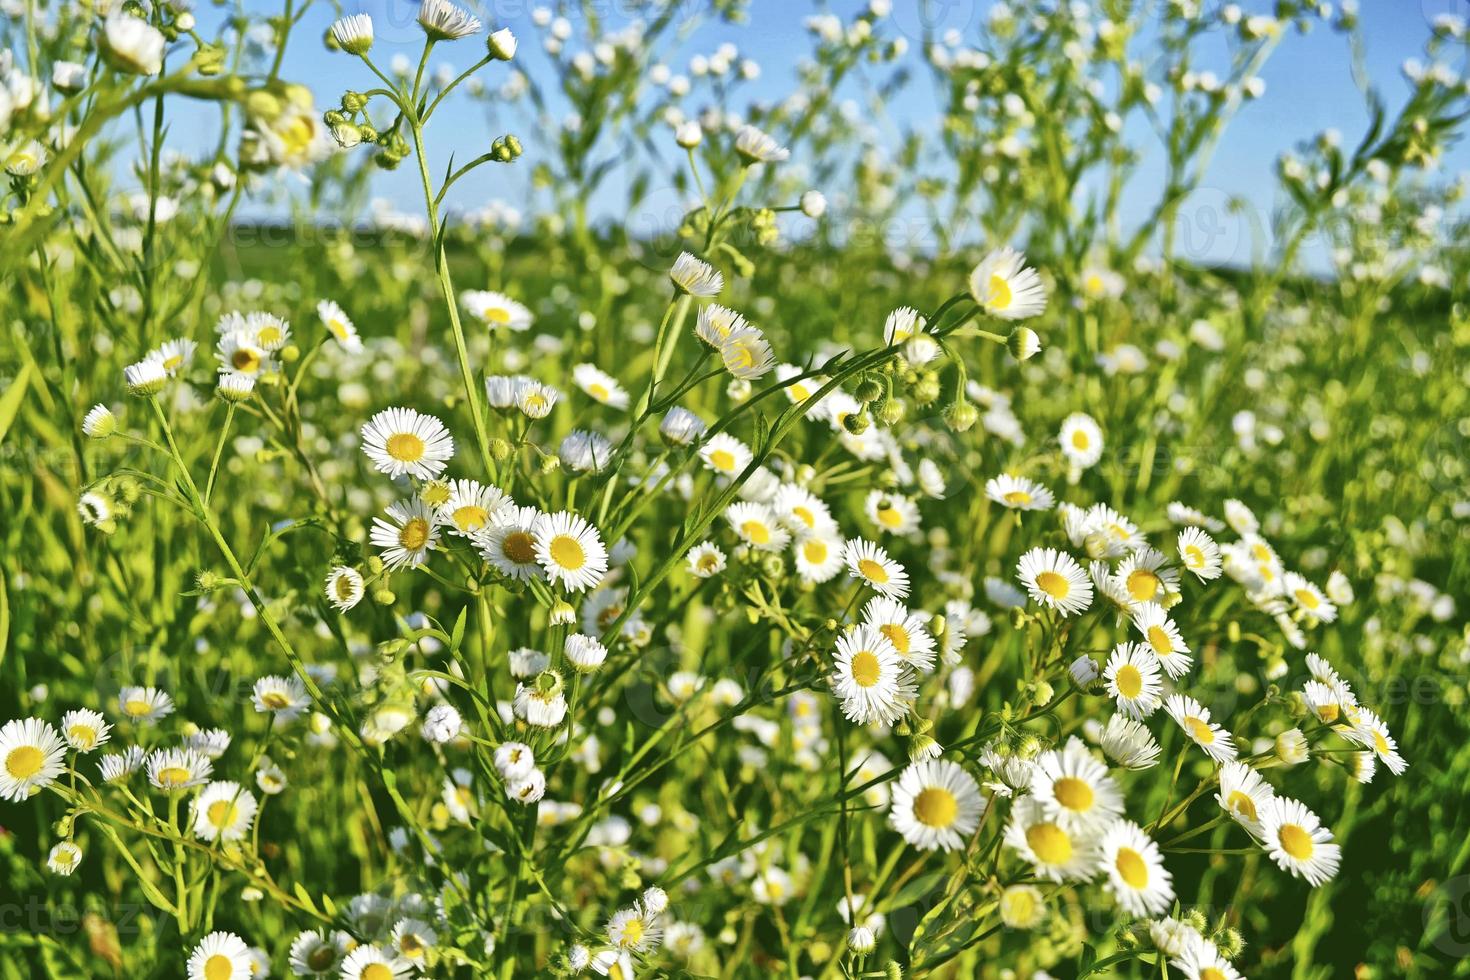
(697, 535)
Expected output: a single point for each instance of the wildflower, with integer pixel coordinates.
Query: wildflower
(935, 804)
(84, 729)
(337, 322)
(755, 146)
(99, 422)
(344, 587)
(220, 956)
(1056, 853)
(443, 21)
(369, 961)
(1135, 869)
(870, 678)
(1075, 789)
(871, 565)
(144, 705)
(569, 550)
(1199, 553)
(32, 756)
(1054, 579)
(1018, 493)
(402, 442)
(353, 33)
(64, 858)
(1081, 440)
(223, 811)
(694, 277)
(1296, 840)
(1006, 288)
(172, 770)
(407, 536)
(284, 697)
(1194, 719)
(133, 45)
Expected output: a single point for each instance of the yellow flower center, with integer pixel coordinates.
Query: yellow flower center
(1000, 293)
(519, 547)
(84, 736)
(245, 360)
(722, 460)
(1211, 973)
(1195, 556)
(173, 776)
(1049, 843)
(1308, 598)
(1201, 730)
(1079, 439)
(415, 534)
(1131, 868)
(1143, 584)
(1295, 841)
(296, 136)
(497, 315)
(889, 517)
(814, 551)
(567, 552)
(804, 515)
(1381, 744)
(470, 517)
(897, 635)
(137, 708)
(1054, 585)
(1017, 498)
(872, 571)
(410, 945)
(338, 328)
(405, 447)
(322, 958)
(218, 967)
(24, 762)
(1159, 640)
(757, 532)
(221, 813)
(865, 668)
(344, 587)
(171, 364)
(632, 933)
(269, 336)
(1129, 680)
(936, 807)
(1241, 804)
(275, 700)
(799, 392)
(377, 971)
(1073, 793)
(598, 391)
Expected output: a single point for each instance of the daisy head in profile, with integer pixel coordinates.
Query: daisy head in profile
(1006, 288)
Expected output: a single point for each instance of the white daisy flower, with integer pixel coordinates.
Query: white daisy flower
(99, 422)
(223, 811)
(1129, 743)
(569, 550)
(1163, 638)
(817, 556)
(541, 704)
(1053, 578)
(84, 729)
(1132, 675)
(443, 21)
(1309, 599)
(746, 354)
(353, 33)
(870, 564)
(1369, 731)
(725, 455)
(906, 327)
(907, 631)
(1018, 493)
(174, 355)
(178, 769)
(369, 961)
(705, 560)
(144, 705)
(1120, 535)
(716, 323)
(585, 653)
(1240, 518)
(634, 929)
(32, 756)
(1199, 553)
(681, 427)
(64, 858)
(220, 956)
(800, 510)
(313, 954)
(120, 765)
(1146, 577)
(412, 939)
(1194, 719)
(283, 697)
(1244, 795)
(695, 277)
(1203, 961)
(1135, 870)
(935, 805)
(145, 378)
(471, 507)
(600, 386)
(1004, 287)
(1297, 841)
(1075, 789)
(337, 322)
(1056, 853)
(509, 544)
(1184, 515)
(755, 146)
(757, 526)
(872, 681)
(514, 761)
(403, 442)
(407, 536)
(891, 512)
(535, 400)
(1081, 440)
(344, 588)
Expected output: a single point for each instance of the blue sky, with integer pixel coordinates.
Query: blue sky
(1309, 88)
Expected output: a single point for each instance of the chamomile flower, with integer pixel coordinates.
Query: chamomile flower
(1135, 870)
(470, 507)
(725, 455)
(1132, 675)
(1297, 841)
(344, 588)
(333, 317)
(32, 756)
(817, 556)
(1081, 440)
(443, 21)
(1119, 534)
(120, 765)
(634, 929)
(870, 564)
(353, 33)
(1203, 961)
(1194, 719)
(1369, 731)
(1186, 516)
(174, 355)
(403, 442)
(369, 961)
(514, 761)
(1242, 519)
(407, 536)
(1129, 743)
(892, 513)
(569, 550)
(314, 954)
(535, 400)
(64, 858)
(1053, 578)
(145, 378)
(269, 332)
(1244, 795)
(99, 422)
(1327, 702)
(1022, 907)
(172, 770)
(906, 327)
(220, 956)
(746, 354)
(716, 323)
(541, 703)
(84, 729)
(496, 309)
(283, 697)
(1146, 576)
(1308, 598)
(1006, 288)
(1075, 789)
(211, 742)
(695, 277)
(871, 680)
(144, 705)
(600, 386)
(1056, 853)
(907, 631)
(1199, 553)
(1163, 638)
(223, 811)
(705, 560)
(935, 805)
(681, 427)
(412, 939)
(757, 526)
(1018, 493)
(509, 544)
(755, 146)
(586, 654)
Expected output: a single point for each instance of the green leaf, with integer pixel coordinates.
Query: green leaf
(457, 637)
(10, 401)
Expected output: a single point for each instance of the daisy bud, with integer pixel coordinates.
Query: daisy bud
(145, 379)
(870, 389)
(926, 392)
(1084, 671)
(500, 450)
(502, 45)
(655, 900)
(99, 422)
(585, 653)
(891, 412)
(353, 102)
(860, 940)
(856, 423)
(922, 747)
(375, 565)
(562, 614)
(1023, 343)
(384, 597)
(961, 416)
(1291, 747)
(893, 971)
(234, 387)
(1029, 747)
(347, 135)
(1044, 692)
(813, 204)
(442, 724)
(1230, 943)
(1195, 919)
(688, 135)
(185, 21)
(1095, 545)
